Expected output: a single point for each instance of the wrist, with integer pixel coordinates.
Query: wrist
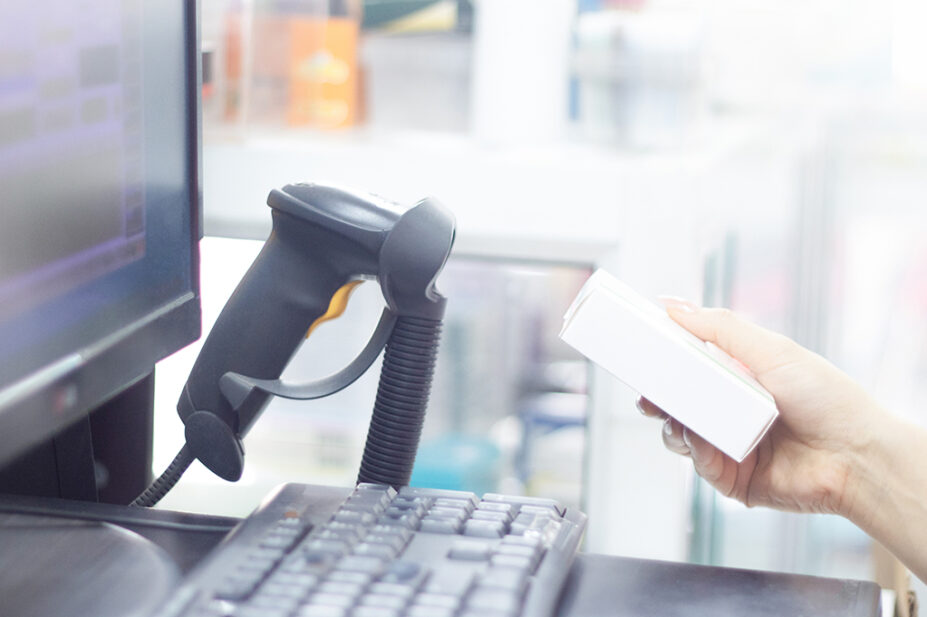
(872, 471)
(886, 497)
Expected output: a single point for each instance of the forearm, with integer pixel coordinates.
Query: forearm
(887, 492)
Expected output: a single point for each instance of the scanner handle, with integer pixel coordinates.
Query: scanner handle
(263, 323)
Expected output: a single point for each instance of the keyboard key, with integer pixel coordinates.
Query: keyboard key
(457, 514)
(258, 565)
(440, 525)
(513, 561)
(376, 488)
(500, 600)
(446, 502)
(388, 530)
(409, 573)
(343, 576)
(498, 506)
(327, 546)
(392, 589)
(344, 530)
(421, 610)
(485, 613)
(341, 588)
(332, 599)
(544, 529)
(276, 604)
(349, 537)
(375, 611)
(522, 502)
(400, 513)
(322, 610)
(437, 599)
(550, 510)
(509, 579)
(362, 563)
(261, 611)
(383, 600)
(491, 515)
(405, 521)
(308, 563)
(435, 493)
(450, 582)
(234, 588)
(383, 551)
(522, 541)
(417, 506)
(394, 541)
(470, 551)
(304, 581)
(279, 589)
(268, 553)
(530, 552)
(484, 529)
(361, 518)
(278, 541)
(358, 505)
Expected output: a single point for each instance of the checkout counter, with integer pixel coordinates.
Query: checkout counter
(56, 566)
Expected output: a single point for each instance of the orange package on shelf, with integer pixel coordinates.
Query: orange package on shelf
(323, 89)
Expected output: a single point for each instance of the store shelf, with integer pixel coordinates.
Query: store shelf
(561, 202)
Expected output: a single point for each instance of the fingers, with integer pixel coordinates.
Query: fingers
(673, 437)
(649, 409)
(760, 349)
(672, 430)
(721, 471)
(710, 463)
(707, 459)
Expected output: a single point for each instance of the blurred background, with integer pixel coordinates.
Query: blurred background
(769, 156)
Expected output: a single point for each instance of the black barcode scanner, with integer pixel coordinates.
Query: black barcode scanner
(324, 239)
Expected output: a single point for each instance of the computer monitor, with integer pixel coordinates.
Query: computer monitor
(99, 204)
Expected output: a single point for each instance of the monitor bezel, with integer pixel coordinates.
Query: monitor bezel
(42, 404)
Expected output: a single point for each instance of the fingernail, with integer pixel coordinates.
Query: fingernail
(668, 427)
(678, 304)
(640, 406)
(686, 438)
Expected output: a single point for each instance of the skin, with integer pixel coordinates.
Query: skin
(833, 449)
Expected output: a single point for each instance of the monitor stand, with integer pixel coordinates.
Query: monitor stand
(104, 457)
(53, 566)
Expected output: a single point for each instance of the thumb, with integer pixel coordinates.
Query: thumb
(760, 349)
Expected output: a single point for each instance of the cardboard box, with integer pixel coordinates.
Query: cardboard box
(694, 382)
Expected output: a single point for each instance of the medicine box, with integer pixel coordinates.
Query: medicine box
(693, 381)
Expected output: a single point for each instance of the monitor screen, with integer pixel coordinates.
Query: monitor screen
(99, 203)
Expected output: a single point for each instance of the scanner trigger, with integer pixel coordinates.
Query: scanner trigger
(337, 305)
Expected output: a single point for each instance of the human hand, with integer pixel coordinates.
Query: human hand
(805, 463)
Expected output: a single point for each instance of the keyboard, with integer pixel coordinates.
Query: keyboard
(312, 551)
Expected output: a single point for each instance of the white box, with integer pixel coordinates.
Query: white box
(694, 382)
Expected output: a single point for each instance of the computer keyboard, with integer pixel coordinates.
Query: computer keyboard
(312, 551)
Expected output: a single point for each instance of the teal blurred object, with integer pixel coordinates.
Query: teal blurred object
(458, 462)
(378, 13)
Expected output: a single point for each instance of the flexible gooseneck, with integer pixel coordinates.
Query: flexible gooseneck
(402, 397)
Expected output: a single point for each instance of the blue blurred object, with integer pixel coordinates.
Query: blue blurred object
(459, 462)
(584, 6)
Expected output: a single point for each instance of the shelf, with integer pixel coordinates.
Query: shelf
(564, 202)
